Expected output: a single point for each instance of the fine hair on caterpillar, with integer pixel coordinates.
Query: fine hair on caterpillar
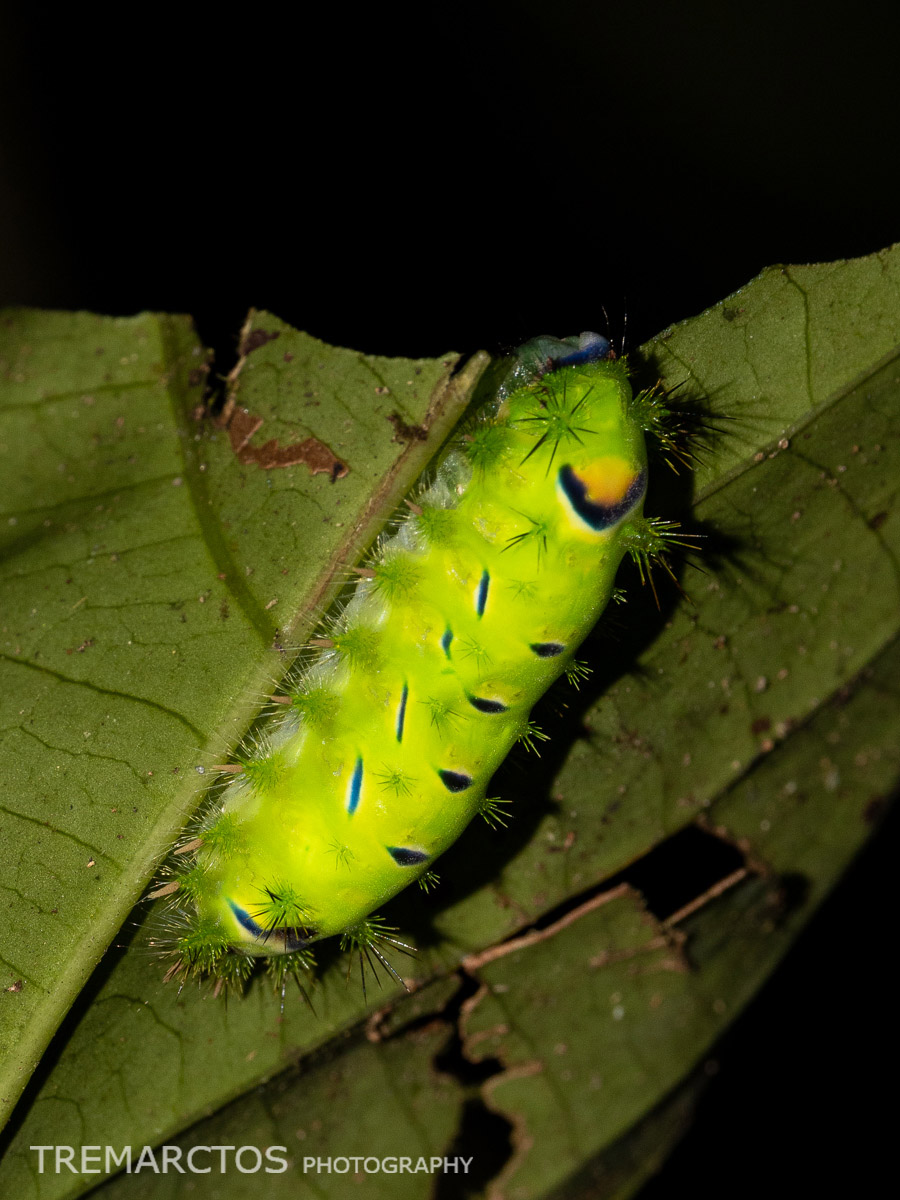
(379, 746)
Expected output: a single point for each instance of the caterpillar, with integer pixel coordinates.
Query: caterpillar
(382, 747)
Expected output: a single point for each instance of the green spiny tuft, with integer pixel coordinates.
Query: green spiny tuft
(202, 947)
(359, 646)
(281, 907)
(366, 933)
(577, 671)
(263, 773)
(443, 715)
(486, 444)
(397, 576)
(343, 855)
(197, 884)
(316, 705)
(554, 418)
(437, 525)
(535, 535)
(530, 734)
(668, 428)
(233, 971)
(469, 648)
(225, 835)
(493, 810)
(369, 939)
(299, 965)
(396, 780)
(648, 540)
(522, 589)
(429, 880)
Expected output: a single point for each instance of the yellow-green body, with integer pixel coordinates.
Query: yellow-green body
(460, 622)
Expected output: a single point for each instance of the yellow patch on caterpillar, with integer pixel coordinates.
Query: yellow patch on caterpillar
(608, 479)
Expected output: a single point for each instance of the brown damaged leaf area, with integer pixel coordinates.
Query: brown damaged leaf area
(484, 1036)
(475, 962)
(311, 452)
(404, 432)
(629, 949)
(252, 339)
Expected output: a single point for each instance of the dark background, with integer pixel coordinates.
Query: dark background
(468, 177)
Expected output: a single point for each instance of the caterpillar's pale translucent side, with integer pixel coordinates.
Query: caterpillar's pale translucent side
(461, 620)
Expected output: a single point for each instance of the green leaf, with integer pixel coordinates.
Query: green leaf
(369, 1076)
(598, 1024)
(149, 580)
(762, 711)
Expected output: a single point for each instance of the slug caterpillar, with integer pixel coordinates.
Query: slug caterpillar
(384, 745)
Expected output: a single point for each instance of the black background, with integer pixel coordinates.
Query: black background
(467, 177)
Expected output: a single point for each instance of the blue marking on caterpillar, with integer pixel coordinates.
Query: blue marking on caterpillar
(401, 711)
(353, 791)
(482, 593)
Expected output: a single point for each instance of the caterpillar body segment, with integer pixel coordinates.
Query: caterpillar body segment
(425, 681)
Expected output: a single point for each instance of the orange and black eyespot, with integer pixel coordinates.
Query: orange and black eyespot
(605, 494)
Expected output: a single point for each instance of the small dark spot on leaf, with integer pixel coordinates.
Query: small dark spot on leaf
(761, 725)
(256, 338)
(874, 809)
(878, 520)
(790, 893)
(85, 645)
(196, 376)
(404, 432)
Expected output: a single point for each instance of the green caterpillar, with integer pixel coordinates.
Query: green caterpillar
(418, 689)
